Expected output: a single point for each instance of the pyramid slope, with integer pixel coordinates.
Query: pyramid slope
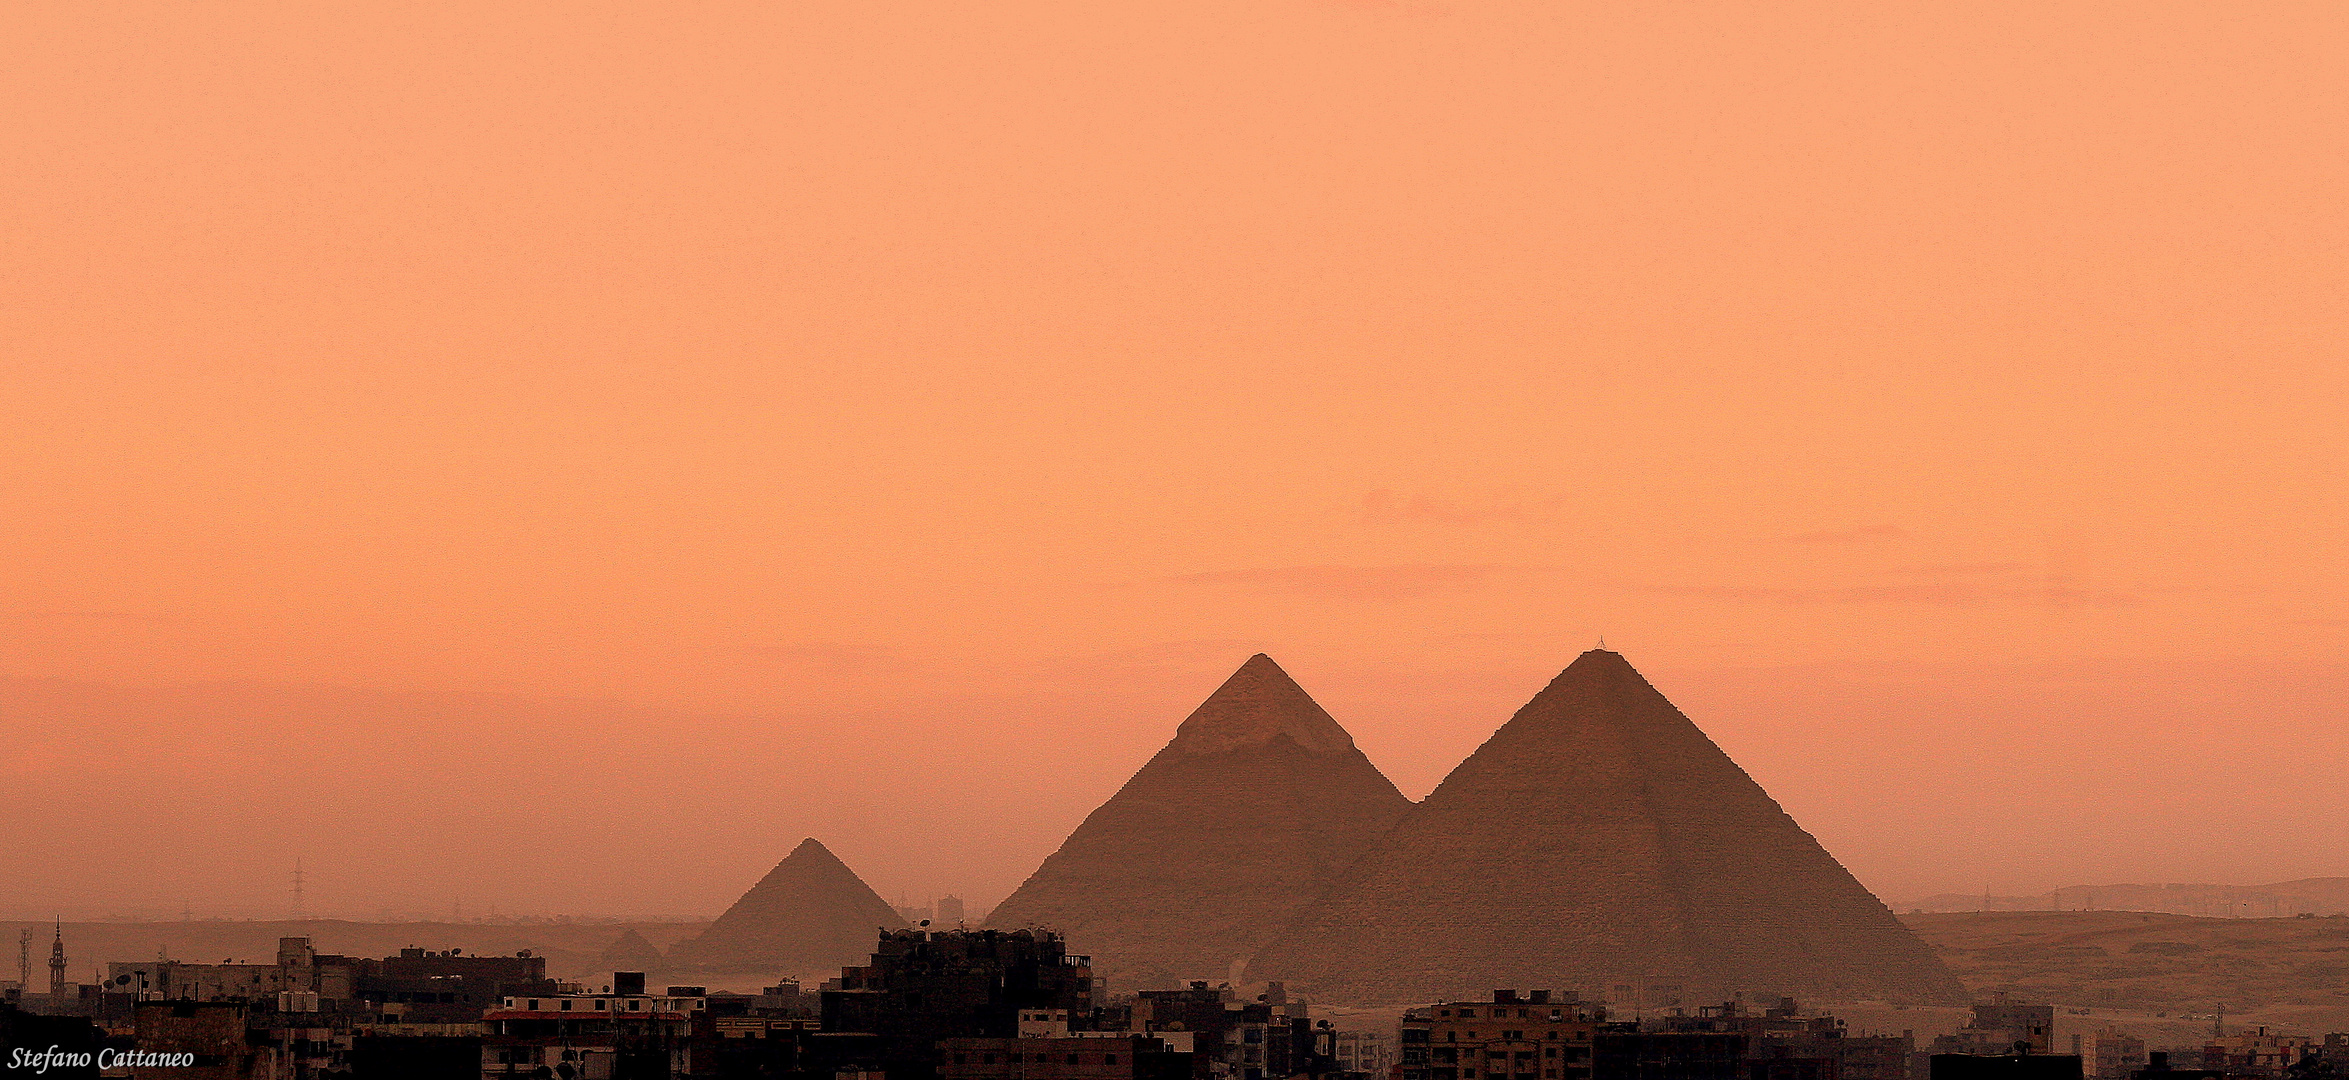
(1598, 839)
(810, 915)
(1252, 810)
(632, 953)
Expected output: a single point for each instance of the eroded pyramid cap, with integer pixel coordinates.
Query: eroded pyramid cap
(1256, 705)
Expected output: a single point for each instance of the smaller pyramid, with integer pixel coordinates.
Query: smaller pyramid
(632, 953)
(810, 915)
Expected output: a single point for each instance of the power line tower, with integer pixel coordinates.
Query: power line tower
(297, 914)
(24, 960)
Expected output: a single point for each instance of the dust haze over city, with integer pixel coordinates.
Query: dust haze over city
(509, 477)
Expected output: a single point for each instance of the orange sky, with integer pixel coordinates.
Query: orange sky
(715, 424)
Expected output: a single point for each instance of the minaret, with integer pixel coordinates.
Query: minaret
(57, 964)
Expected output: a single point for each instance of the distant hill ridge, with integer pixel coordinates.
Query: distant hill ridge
(2309, 896)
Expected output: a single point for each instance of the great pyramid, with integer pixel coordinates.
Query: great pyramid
(1597, 840)
(1251, 811)
(810, 915)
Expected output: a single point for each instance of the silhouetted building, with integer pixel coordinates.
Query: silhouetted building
(1536, 1037)
(447, 987)
(2257, 1054)
(57, 964)
(2157, 1067)
(951, 912)
(1364, 1053)
(2328, 1060)
(622, 1034)
(2003, 1027)
(34, 1035)
(1088, 1056)
(415, 1057)
(212, 1032)
(1230, 1039)
(2005, 1067)
(1511, 1037)
(1624, 1052)
(922, 986)
(787, 1050)
(2113, 1055)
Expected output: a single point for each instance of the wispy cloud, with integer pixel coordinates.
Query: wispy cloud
(1962, 569)
(1857, 534)
(1384, 507)
(821, 654)
(87, 616)
(1351, 582)
(1944, 594)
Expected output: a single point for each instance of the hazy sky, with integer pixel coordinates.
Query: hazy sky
(559, 456)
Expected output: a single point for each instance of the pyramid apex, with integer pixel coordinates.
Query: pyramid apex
(1258, 704)
(1601, 659)
(812, 850)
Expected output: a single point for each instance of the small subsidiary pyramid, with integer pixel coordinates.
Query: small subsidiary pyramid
(632, 953)
(811, 915)
(1254, 808)
(1600, 840)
